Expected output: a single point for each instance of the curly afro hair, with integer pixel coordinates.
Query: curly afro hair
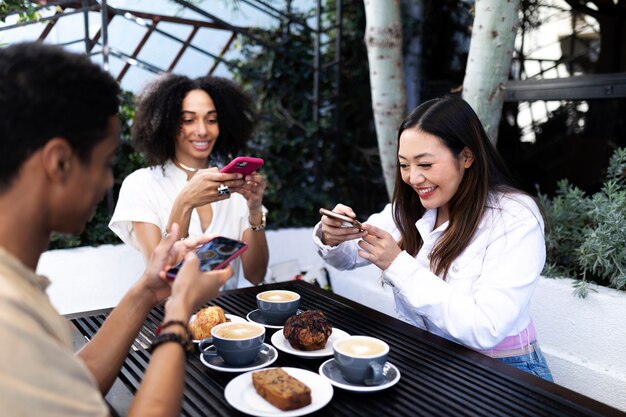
(158, 117)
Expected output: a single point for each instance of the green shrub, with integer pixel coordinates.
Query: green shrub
(313, 164)
(586, 235)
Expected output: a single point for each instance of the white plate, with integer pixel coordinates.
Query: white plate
(266, 357)
(330, 372)
(240, 394)
(280, 343)
(255, 316)
(230, 317)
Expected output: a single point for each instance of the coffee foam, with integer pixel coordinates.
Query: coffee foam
(238, 331)
(361, 347)
(278, 296)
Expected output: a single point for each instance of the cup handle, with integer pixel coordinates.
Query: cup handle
(204, 344)
(210, 351)
(378, 375)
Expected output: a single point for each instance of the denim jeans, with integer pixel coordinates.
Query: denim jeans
(533, 363)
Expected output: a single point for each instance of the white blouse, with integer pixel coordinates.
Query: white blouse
(486, 295)
(148, 194)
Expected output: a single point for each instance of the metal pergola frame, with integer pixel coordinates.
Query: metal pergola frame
(582, 87)
(150, 22)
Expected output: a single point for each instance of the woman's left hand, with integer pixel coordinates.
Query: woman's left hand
(378, 247)
(253, 190)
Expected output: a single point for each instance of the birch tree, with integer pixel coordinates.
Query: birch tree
(383, 38)
(489, 60)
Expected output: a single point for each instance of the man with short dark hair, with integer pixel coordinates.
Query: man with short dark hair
(59, 134)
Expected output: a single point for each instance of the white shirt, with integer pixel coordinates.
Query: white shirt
(486, 295)
(148, 194)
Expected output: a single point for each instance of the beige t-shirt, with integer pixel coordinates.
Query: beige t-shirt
(39, 373)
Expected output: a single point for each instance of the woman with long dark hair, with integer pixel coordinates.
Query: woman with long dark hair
(462, 248)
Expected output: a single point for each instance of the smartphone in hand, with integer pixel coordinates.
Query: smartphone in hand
(215, 254)
(347, 221)
(245, 165)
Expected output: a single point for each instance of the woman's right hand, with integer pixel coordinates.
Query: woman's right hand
(202, 188)
(333, 230)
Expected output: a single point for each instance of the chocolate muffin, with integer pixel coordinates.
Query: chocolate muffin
(308, 330)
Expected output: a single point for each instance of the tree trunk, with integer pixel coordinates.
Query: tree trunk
(414, 9)
(489, 60)
(383, 38)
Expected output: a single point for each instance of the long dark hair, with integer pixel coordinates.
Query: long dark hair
(157, 120)
(453, 121)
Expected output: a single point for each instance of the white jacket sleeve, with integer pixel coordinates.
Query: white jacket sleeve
(487, 292)
(345, 255)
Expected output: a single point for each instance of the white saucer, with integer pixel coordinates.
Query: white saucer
(331, 372)
(240, 394)
(280, 343)
(266, 357)
(256, 317)
(230, 317)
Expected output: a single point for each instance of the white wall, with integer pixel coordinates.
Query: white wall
(583, 339)
(90, 278)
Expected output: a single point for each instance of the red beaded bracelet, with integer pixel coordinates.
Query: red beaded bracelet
(172, 323)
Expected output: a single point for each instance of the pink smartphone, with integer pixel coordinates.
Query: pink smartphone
(245, 165)
(215, 254)
(347, 221)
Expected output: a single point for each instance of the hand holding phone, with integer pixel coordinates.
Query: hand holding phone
(215, 254)
(347, 221)
(245, 165)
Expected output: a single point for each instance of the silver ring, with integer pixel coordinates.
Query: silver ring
(223, 190)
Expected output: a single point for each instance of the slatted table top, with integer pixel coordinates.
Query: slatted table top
(438, 377)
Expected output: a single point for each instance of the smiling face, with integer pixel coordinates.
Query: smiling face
(199, 129)
(430, 168)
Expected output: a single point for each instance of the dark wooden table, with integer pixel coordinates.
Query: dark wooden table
(439, 378)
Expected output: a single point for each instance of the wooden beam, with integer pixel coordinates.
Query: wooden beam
(137, 49)
(183, 48)
(222, 52)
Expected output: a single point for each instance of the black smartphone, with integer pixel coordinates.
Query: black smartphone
(347, 221)
(215, 254)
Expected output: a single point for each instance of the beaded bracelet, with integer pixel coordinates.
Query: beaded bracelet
(258, 227)
(184, 341)
(172, 323)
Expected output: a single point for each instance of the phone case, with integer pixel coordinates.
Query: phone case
(245, 165)
(348, 221)
(215, 254)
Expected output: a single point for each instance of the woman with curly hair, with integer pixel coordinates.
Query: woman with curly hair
(460, 246)
(186, 128)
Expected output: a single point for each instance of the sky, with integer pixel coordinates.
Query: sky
(160, 50)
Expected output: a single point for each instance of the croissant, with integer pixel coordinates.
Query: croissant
(205, 319)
